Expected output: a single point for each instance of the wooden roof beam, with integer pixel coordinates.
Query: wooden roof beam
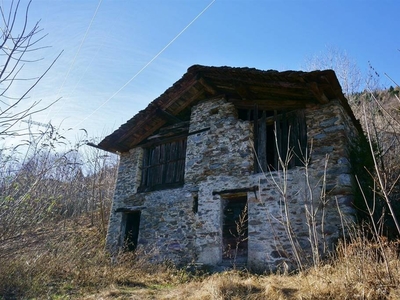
(321, 97)
(167, 116)
(209, 88)
(270, 104)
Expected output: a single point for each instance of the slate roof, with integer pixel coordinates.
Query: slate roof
(245, 87)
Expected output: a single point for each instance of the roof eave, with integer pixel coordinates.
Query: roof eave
(202, 82)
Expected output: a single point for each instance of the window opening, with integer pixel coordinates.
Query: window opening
(131, 233)
(235, 229)
(277, 134)
(195, 207)
(214, 111)
(163, 166)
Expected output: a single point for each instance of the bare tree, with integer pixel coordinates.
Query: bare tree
(346, 69)
(18, 42)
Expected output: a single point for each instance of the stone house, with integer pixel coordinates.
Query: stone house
(236, 166)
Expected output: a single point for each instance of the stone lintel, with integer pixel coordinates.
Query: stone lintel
(236, 191)
(130, 208)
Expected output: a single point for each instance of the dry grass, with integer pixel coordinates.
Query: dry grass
(66, 261)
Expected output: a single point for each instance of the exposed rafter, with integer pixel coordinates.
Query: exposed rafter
(245, 87)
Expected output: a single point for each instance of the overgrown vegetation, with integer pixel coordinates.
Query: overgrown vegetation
(45, 183)
(55, 197)
(55, 205)
(65, 260)
(377, 111)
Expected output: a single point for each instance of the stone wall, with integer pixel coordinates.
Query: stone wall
(333, 135)
(286, 209)
(128, 181)
(224, 148)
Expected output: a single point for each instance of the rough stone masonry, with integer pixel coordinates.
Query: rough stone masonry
(292, 215)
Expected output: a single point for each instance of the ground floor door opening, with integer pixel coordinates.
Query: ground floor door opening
(234, 228)
(131, 233)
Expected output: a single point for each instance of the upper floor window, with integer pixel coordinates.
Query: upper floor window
(163, 165)
(280, 138)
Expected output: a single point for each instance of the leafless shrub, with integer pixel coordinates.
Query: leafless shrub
(240, 236)
(50, 184)
(379, 177)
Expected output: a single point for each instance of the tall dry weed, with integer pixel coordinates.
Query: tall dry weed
(70, 260)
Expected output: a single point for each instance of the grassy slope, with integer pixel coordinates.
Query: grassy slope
(66, 261)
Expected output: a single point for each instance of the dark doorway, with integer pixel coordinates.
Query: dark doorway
(131, 230)
(234, 228)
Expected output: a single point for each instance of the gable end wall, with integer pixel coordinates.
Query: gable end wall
(221, 158)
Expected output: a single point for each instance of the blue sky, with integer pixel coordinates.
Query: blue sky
(119, 55)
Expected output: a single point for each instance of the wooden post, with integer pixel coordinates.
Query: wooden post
(262, 143)
(277, 140)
